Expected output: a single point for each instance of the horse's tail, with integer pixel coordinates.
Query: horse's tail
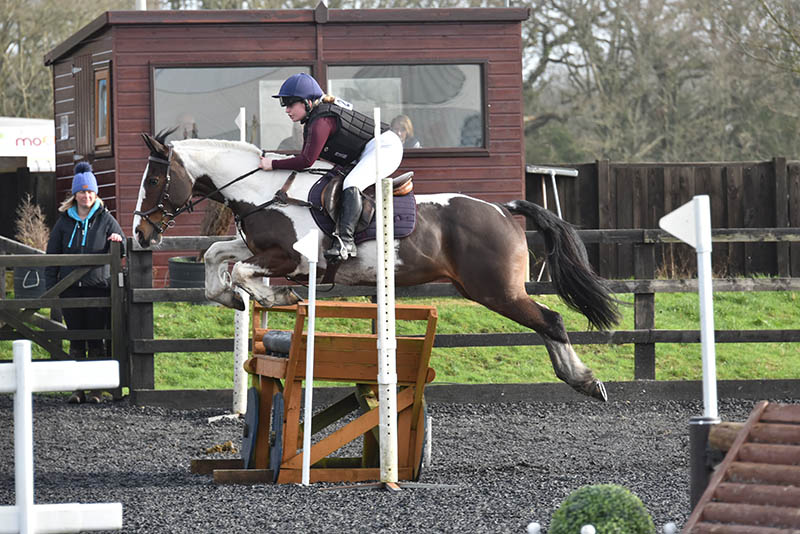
(574, 279)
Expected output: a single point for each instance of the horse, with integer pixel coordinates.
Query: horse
(475, 244)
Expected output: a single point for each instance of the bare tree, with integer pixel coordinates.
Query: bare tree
(28, 30)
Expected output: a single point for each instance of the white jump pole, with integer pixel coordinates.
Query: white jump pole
(387, 341)
(308, 246)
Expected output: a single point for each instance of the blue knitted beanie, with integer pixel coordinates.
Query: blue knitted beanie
(84, 180)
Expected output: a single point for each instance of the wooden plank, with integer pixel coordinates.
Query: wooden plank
(782, 413)
(767, 453)
(267, 388)
(294, 476)
(775, 433)
(757, 473)
(205, 466)
(733, 196)
(781, 199)
(762, 494)
(606, 218)
(625, 204)
(243, 476)
(758, 188)
(723, 528)
(793, 184)
(270, 366)
(751, 514)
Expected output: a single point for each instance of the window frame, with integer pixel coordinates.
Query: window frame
(441, 152)
(102, 143)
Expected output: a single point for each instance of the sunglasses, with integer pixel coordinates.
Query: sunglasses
(289, 100)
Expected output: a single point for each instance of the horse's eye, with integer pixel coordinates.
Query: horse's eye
(153, 181)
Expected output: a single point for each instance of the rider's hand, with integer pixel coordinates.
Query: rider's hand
(115, 237)
(265, 164)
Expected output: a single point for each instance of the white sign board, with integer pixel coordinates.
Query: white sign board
(32, 138)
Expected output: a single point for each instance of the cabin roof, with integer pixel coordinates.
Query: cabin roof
(320, 15)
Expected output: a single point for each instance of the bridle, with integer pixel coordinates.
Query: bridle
(189, 205)
(167, 217)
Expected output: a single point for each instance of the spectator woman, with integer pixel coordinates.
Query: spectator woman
(85, 226)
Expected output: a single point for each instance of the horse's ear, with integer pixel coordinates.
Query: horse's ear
(154, 146)
(148, 141)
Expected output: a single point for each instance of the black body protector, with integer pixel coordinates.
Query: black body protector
(354, 130)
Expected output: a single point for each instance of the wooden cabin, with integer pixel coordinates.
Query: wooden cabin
(455, 74)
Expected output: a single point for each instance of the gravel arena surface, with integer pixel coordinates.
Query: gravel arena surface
(512, 463)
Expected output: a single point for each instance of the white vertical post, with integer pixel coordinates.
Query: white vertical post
(241, 336)
(23, 437)
(691, 223)
(241, 122)
(387, 342)
(308, 246)
(703, 228)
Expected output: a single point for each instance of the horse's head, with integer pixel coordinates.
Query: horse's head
(166, 188)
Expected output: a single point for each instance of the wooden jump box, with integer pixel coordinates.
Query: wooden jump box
(276, 432)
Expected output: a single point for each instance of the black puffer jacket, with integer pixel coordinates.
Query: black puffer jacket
(70, 235)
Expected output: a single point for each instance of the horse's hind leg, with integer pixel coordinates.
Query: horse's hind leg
(550, 326)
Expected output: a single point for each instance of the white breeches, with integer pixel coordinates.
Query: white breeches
(363, 174)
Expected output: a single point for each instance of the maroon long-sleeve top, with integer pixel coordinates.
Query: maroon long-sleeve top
(318, 133)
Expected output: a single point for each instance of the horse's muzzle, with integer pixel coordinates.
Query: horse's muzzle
(147, 242)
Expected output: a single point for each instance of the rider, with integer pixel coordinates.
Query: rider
(335, 132)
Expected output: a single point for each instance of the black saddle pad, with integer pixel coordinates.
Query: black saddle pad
(405, 214)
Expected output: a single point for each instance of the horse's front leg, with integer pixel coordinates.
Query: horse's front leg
(218, 284)
(276, 260)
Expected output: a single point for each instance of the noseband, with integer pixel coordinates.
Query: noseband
(167, 217)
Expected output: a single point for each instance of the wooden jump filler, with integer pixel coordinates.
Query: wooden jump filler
(272, 449)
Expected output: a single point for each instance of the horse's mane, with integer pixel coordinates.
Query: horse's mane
(224, 144)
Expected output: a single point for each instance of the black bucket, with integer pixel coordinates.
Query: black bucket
(185, 271)
(28, 282)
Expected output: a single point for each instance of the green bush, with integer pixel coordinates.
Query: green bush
(611, 509)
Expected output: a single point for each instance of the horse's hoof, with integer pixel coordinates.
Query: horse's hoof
(238, 303)
(598, 390)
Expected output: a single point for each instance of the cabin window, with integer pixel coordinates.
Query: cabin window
(433, 105)
(102, 110)
(204, 102)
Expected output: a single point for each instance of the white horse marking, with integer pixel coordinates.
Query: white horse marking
(137, 219)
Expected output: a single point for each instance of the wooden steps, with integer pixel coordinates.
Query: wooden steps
(756, 488)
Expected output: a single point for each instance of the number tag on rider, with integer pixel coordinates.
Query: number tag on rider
(343, 103)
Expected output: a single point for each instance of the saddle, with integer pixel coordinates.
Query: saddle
(329, 197)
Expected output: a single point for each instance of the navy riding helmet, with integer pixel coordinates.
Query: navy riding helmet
(298, 87)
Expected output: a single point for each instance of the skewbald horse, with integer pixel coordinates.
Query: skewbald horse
(475, 244)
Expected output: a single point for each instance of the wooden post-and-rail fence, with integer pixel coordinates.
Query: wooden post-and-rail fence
(132, 299)
(21, 318)
(644, 287)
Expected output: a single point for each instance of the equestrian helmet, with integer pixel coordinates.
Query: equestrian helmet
(299, 86)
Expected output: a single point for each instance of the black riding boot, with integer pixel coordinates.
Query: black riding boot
(344, 246)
